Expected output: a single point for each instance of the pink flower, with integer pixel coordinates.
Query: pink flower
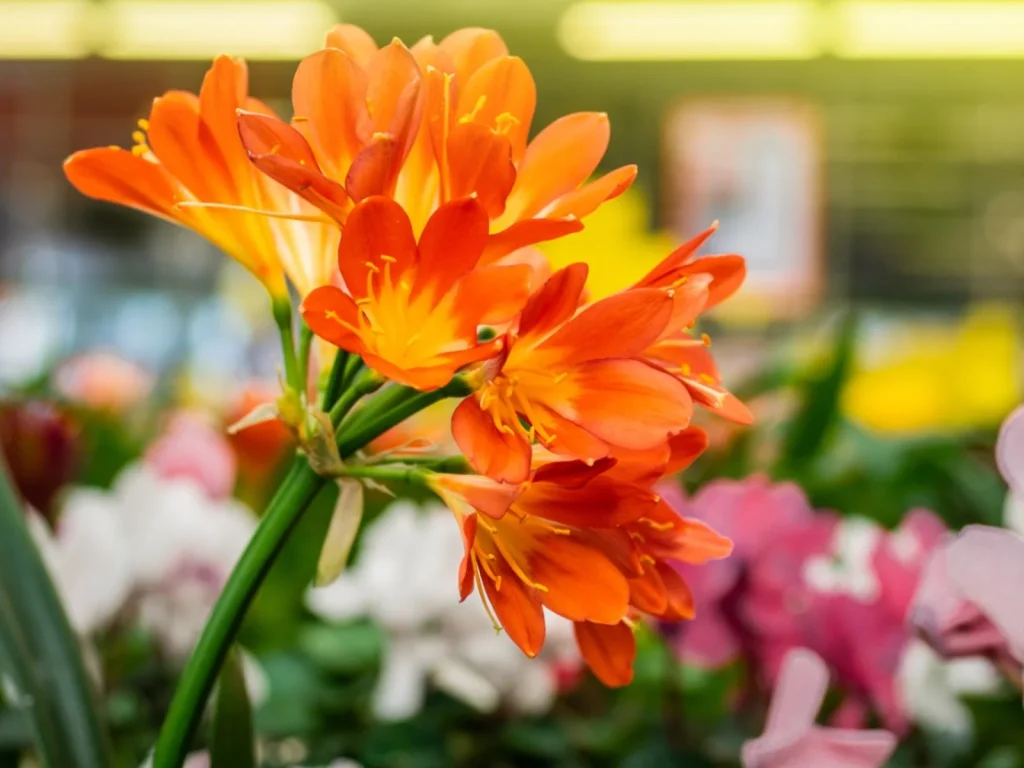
(792, 739)
(968, 602)
(191, 448)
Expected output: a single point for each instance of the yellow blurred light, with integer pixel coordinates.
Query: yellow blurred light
(43, 29)
(201, 29)
(627, 31)
(929, 30)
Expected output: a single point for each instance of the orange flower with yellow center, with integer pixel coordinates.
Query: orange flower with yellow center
(577, 378)
(412, 309)
(189, 166)
(433, 124)
(588, 542)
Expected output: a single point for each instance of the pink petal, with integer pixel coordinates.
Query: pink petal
(1010, 451)
(791, 740)
(986, 565)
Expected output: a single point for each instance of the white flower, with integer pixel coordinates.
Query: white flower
(931, 688)
(848, 570)
(406, 580)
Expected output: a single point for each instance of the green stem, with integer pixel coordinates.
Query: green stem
(305, 343)
(336, 381)
(40, 653)
(371, 422)
(450, 465)
(353, 365)
(296, 493)
(282, 309)
(364, 385)
(389, 474)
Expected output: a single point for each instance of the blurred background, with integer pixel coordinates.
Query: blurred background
(866, 156)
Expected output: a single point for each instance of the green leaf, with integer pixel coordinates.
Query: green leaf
(40, 659)
(231, 741)
(819, 409)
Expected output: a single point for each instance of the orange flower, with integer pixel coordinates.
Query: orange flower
(717, 277)
(412, 309)
(534, 545)
(433, 124)
(188, 165)
(588, 542)
(578, 379)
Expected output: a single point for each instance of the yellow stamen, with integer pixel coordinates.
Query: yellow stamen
(655, 524)
(143, 123)
(705, 339)
(471, 116)
(138, 137)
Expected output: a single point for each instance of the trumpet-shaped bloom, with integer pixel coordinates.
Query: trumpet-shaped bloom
(587, 542)
(411, 309)
(433, 124)
(577, 379)
(189, 166)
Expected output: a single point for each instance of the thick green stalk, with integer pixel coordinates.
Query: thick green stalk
(370, 422)
(364, 385)
(286, 508)
(39, 652)
(296, 493)
(336, 380)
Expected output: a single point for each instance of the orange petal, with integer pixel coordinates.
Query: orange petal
(374, 171)
(608, 650)
(579, 581)
(588, 198)
(647, 592)
(621, 325)
(727, 271)
(685, 448)
(482, 494)
(568, 438)
(376, 227)
(354, 41)
(557, 161)
(438, 116)
(527, 232)
(698, 543)
(501, 95)
(187, 150)
(480, 163)
(502, 456)
(328, 95)
(555, 302)
(701, 377)
(332, 315)
(680, 598)
(494, 294)
(517, 608)
(466, 579)
(425, 378)
(117, 176)
(601, 503)
(471, 48)
(450, 245)
(727, 275)
(625, 403)
(570, 474)
(664, 273)
(394, 96)
(282, 153)
(225, 89)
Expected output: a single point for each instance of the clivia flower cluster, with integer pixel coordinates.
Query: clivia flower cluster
(399, 203)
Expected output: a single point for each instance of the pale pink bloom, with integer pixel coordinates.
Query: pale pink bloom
(191, 448)
(103, 381)
(792, 739)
